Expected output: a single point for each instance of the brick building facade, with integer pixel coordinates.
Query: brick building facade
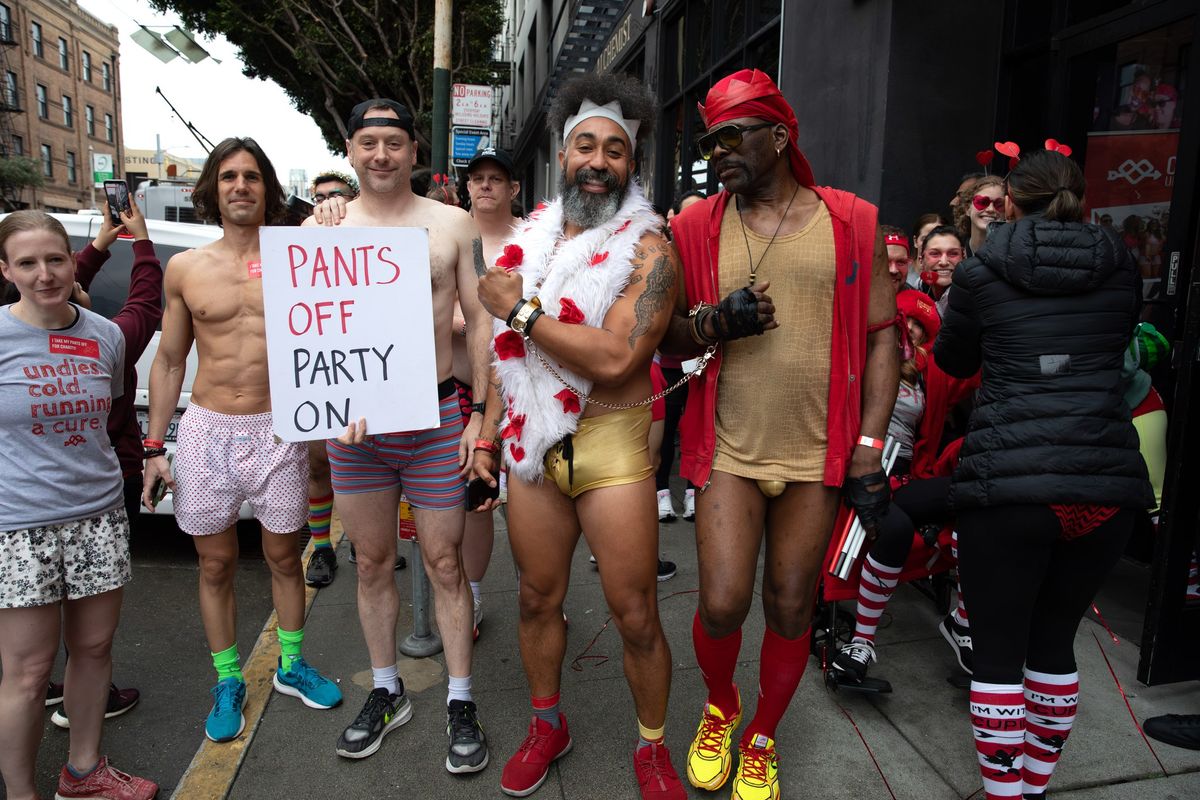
(60, 96)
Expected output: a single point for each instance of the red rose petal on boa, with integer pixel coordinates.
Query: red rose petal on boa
(511, 258)
(513, 429)
(623, 226)
(518, 453)
(569, 400)
(599, 257)
(569, 312)
(509, 345)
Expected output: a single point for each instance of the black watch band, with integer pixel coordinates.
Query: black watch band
(152, 452)
(477, 408)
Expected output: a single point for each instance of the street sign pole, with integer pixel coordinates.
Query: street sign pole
(441, 84)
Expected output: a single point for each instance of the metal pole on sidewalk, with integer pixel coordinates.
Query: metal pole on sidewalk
(423, 641)
(441, 84)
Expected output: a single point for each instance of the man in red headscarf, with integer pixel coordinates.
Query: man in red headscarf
(780, 422)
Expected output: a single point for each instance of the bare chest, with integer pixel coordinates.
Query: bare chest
(222, 296)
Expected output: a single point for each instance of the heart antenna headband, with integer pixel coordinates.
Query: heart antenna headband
(1013, 151)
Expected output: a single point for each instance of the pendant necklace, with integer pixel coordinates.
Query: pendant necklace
(750, 256)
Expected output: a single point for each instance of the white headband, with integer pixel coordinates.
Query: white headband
(612, 110)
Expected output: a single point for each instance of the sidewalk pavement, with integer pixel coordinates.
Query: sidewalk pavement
(913, 744)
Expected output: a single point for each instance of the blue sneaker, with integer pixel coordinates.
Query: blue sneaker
(225, 722)
(313, 689)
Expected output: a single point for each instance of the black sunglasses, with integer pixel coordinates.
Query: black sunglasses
(728, 136)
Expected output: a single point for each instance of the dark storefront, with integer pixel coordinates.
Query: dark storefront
(895, 99)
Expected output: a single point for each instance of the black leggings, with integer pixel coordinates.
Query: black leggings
(1028, 588)
(919, 502)
(676, 400)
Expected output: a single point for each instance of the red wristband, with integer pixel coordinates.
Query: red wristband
(867, 441)
(153, 443)
(487, 444)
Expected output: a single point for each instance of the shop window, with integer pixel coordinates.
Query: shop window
(765, 12)
(763, 53)
(1083, 10)
(732, 30)
(1132, 138)
(699, 38)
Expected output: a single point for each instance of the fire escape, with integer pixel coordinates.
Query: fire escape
(10, 103)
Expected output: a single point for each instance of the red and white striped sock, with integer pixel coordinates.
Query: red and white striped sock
(875, 588)
(998, 721)
(960, 611)
(1193, 583)
(1050, 703)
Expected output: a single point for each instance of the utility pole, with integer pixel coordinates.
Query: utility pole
(441, 84)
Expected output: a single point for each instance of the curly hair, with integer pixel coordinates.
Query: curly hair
(637, 101)
(333, 175)
(204, 196)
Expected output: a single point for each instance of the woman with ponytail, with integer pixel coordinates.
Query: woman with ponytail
(1050, 478)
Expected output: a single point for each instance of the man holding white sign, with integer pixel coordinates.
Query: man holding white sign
(370, 470)
(228, 452)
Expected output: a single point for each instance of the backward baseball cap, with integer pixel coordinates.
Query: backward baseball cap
(359, 121)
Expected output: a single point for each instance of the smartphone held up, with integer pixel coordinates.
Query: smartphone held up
(117, 193)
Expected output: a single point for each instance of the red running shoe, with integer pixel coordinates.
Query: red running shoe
(104, 783)
(529, 766)
(657, 779)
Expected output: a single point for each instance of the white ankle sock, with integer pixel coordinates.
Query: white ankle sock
(475, 590)
(387, 678)
(459, 689)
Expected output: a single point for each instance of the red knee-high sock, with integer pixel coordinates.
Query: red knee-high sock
(717, 659)
(779, 671)
(1050, 703)
(998, 720)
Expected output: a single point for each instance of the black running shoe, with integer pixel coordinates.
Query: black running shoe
(854, 659)
(322, 567)
(666, 570)
(382, 713)
(468, 745)
(401, 561)
(54, 694)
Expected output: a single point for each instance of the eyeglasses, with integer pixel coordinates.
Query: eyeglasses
(320, 197)
(728, 136)
(982, 201)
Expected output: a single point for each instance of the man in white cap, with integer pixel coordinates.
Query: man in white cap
(581, 297)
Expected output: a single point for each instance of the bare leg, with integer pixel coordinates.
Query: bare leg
(478, 540)
(319, 481)
(282, 552)
(218, 556)
(90, 625)
(542, 531)
(799, 524)
(626, 548)
(729, 530)
(371, 519)
(655, 441)
(28, 644)
(440, 535)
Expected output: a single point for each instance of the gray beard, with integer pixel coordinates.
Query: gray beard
(588, 210)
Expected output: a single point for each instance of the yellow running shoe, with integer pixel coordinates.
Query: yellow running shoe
(758, 770)
(708, 760)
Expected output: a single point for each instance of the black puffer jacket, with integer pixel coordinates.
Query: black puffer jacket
(1047, 309)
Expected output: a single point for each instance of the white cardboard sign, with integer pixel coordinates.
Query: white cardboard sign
(349, 316)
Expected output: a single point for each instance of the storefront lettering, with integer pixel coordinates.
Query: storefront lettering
(616, 44)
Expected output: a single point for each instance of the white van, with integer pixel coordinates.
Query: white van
(109, 289)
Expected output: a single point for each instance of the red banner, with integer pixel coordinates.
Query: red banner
(1130, 168)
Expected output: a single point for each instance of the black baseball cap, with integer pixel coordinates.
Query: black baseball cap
(495, 154)
(356, 121)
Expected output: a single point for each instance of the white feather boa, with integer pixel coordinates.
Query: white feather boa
(591, 270)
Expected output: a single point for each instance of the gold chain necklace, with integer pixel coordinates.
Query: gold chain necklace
(750, 256)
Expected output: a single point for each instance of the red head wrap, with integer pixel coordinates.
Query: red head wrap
(920, 306)
(752, 93)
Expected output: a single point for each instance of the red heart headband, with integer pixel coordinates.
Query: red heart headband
(1013, 151)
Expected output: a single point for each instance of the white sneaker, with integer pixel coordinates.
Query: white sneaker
(689, 505)
(666, 509)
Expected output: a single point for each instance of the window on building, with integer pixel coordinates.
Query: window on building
(5, 23)
(18, 145)
(11, 97)
(43, 106)
(106, 76)
(89, 119)
(108, 127)
(68, 112)
(64, 55)
(47, 162)
(87, 66)
(71, 167)
(36, 32)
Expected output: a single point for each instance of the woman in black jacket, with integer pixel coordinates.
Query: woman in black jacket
(1050, 478)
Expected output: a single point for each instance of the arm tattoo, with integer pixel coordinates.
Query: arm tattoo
(480, 264)
(653, 298)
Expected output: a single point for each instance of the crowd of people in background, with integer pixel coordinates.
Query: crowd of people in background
(816, 337)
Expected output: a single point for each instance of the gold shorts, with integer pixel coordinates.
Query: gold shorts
(611, 450)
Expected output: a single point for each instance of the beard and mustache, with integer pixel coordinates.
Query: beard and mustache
(588, 209)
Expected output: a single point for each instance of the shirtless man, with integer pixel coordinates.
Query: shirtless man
(370, 470)
(587, 283)
(227, 451)
(493, 190)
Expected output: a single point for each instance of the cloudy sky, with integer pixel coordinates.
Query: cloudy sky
(216, 98)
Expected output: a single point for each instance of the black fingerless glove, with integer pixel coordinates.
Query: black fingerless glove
(737, 316)
(869, 505)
